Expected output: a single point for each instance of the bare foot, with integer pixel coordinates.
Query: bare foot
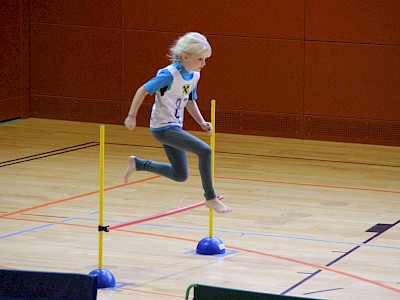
(218, 206)
(131, 167)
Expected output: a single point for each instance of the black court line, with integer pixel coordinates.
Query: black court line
(340, 257)
(47, 154)
(272, 156)
(10, 120)
(322, 291)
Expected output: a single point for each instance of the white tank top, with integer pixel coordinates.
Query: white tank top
(169, 106)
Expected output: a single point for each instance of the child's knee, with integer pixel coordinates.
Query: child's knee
(206, 151)
(181, 177)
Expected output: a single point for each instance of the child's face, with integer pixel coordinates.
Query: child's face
(194, 62)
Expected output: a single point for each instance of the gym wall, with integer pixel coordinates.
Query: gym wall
(307, 69)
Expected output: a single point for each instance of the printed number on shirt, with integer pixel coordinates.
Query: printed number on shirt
(178, 108)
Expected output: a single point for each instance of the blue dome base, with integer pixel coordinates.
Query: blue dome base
(210, 246)
(104, 278)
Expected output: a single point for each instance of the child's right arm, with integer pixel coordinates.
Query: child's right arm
(130, 121)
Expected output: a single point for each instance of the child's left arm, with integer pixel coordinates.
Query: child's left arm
(194, 111)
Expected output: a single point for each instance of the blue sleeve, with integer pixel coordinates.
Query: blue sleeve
(162, 80)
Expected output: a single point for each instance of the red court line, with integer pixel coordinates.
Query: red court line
(50, 222)
(292, 260)
(75, 197)
(296, 261)
(236, 248)
(45, 216)
(168, 213)
(219, 177)
(161, 215)
(5, 267)
(308, 184)
(382, 285)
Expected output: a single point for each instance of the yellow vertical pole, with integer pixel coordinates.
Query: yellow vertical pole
(101, 194)
(212, 144)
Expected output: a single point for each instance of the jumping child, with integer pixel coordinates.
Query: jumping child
(175, 88)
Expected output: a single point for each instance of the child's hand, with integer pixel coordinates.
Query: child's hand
(207, 127)
(130, 122)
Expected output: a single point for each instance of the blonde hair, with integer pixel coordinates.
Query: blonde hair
(190, 43)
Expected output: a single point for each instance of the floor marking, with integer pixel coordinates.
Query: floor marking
(308, 184)
(272, 236)
(322, 291)
(6, 267)
(319, 267)
(76, 197)
(47, 154)
(296, 261)
(379, 228)
(25, 231)
(46, 216)
(279, 257)
(342, 256)
(216, 230)
(271, 156)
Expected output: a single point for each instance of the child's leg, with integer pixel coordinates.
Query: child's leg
(130, 168)
(177, 138)
(177, 170)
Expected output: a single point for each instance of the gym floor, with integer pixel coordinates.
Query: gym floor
(312, 219)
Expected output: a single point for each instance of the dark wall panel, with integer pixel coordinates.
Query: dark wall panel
(25, 59)
(270, 79)
(352, 130)
(77, 109)
(257, 18)
(76, 61)
(254, 74)
(10, 13)
(104, 13)
(14, 59)
(314, 69)
(10, 61)
(144, 54)
(25, 10)
(363, 21)
(17, 107)
(352, 80)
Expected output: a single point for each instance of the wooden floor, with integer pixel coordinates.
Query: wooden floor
(305, 220)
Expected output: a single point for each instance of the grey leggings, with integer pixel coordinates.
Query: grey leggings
(176, 142)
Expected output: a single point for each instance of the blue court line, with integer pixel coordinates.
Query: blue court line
(25, 231)
(358, 245)
(241, 233)
(34, 229)
(220, 231)
(338, 259)
(273, 236)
